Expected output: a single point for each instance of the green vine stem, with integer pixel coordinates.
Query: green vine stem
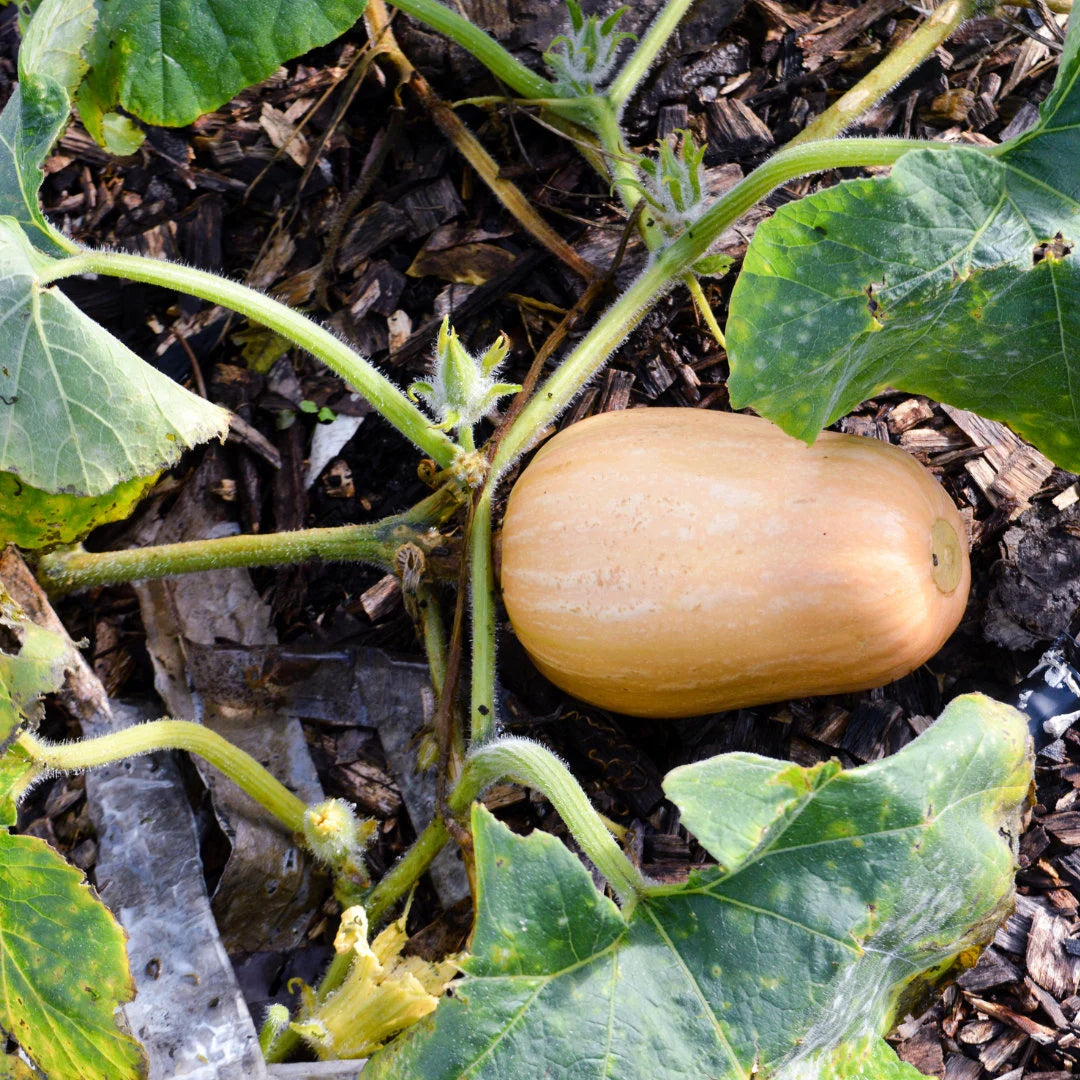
(404, 874)
(900, 62)
(290, 324)
(505, 67)
(241, 768)
(527, 762)
(432, 629)
(615, 325)
(642, 58)
(482, 585)
(378, 543)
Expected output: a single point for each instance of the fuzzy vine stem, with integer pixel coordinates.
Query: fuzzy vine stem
(401, 877)
(377, 543)
(482, 586)
(240, 767)
(617, 322)
(527, 762)
(637, 64)
(292, 325)
(899, 63)
(535, 766)
(485, 48)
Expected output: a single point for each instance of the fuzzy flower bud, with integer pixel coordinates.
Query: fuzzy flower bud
(463, 390)
(672, 183)
(584, 57)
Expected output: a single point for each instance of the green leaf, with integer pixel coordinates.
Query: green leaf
(17, 772)
(120, 135)
(839, 892)
(13, 1068)
(169, 61)
(29, 125)
(63, 967)
(944, 279)
(53, 41)
(50, 66)
(33, 662)
(79, 412)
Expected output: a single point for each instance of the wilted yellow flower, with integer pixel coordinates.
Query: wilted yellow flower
(382, 994)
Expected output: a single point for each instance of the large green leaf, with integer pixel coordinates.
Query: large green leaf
(50, 67)
(53, 41)
(63, 967)
(13, 1068)
(79, 411)
(837, 892)
(944, 279)
(169, 61)
(28, 128)
(33, 662)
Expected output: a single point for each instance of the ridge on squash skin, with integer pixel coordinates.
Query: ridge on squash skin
(669, 562)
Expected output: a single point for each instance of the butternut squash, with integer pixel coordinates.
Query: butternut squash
(671, 562)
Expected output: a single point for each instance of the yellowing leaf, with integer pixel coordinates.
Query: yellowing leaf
(34, 519)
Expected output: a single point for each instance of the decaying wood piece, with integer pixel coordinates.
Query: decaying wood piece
(382, 598)
(1047, 962)
(824, 41)
(1007, 468)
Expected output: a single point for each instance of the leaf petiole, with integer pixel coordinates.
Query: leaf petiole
(359, 373)
(240, 767)
(378, 543)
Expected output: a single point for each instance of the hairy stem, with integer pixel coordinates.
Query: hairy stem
(617, 322)
(900, 63)
(618, 159)
(292, 325)
(531, 764)
(484, 47)
(482, 585)
(377, 543)
(642, 58)
(241, 768)
(401, 877)
(535, 766)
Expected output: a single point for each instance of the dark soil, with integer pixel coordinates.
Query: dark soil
(425, 238)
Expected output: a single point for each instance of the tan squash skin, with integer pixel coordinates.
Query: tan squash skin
(671, 562)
